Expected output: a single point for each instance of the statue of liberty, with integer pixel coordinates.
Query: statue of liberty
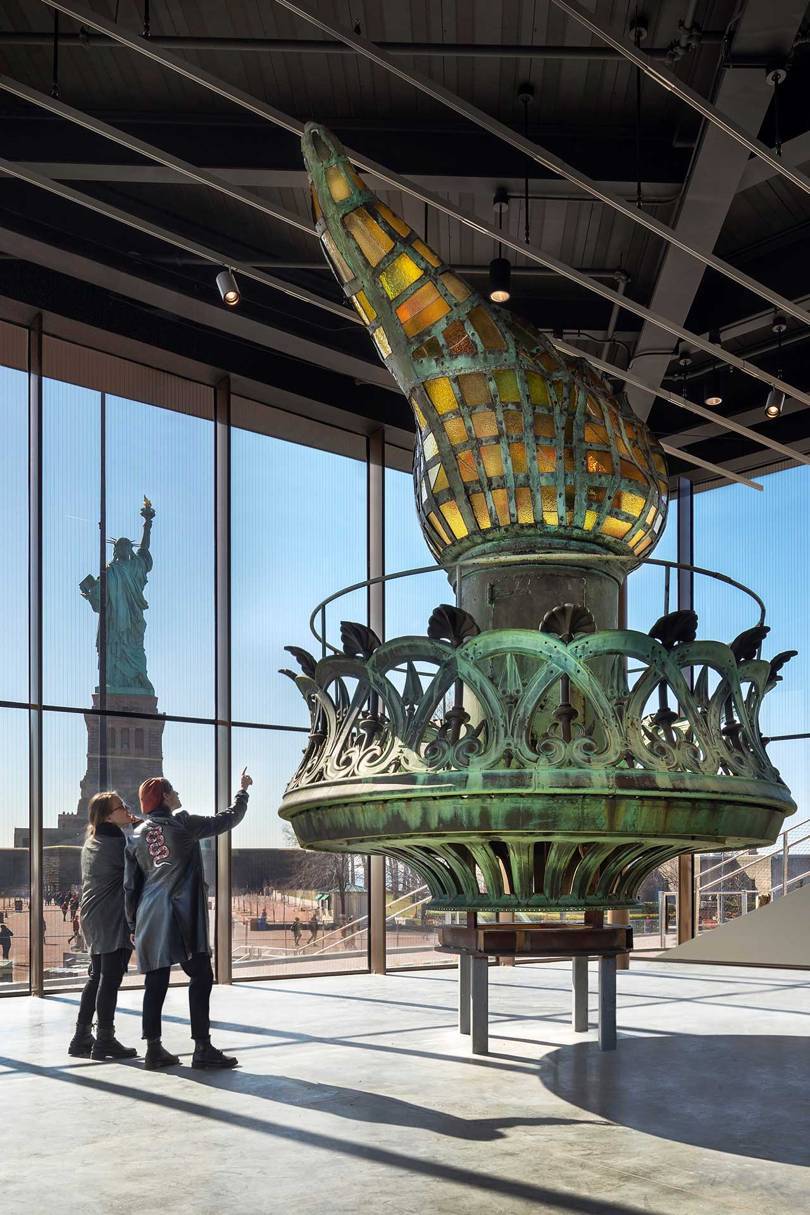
(126, 577)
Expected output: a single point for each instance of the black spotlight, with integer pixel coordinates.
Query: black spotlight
(775, 402)
(228, 288)
(500, 280)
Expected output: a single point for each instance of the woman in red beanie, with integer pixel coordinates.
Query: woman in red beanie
(167, 910)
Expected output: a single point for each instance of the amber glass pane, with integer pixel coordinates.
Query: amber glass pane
(492, 461)
(433, 520)
(373, 242)
(428, 350)
(399, 275)
(651, 513)
(456, 431)
(392, 219)
(440, 481)
(334, 255)
(599, 462)
(441, 394)
(594, 409)
(629, 470)
(616, 528)
(457, 339)
(479, 504)
(422, 309)
(548, 501)
(544, 425)
(590, 520)
(513, 421)
(538, 388)
(501, 504)
(595, 434)
(507, 385)
(420, 417)
(453, 516)
(485, 424)
(660, 463)
(546, 459)
(466, 466)
(316, 206)
(517, 453)
(486, 329)
(474, 388)
(361, 303)
(455, 286)
(381, 342)
(525, 509)
(339, 187)
(427, 254)
(631, 504)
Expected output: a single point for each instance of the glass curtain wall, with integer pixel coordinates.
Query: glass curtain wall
(770, 559)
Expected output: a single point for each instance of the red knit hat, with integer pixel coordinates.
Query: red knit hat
(151, 793)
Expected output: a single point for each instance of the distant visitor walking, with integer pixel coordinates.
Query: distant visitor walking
(167, 909)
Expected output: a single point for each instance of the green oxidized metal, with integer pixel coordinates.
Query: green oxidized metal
(508, 757)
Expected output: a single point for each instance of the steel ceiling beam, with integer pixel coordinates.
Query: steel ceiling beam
(669, 81)
(542, 157)
(714, 179)
(260, 109)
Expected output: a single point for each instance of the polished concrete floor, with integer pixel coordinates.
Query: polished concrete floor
(355, 1094)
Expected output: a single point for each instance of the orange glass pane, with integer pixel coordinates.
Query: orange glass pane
(479, 504)
(337, 259)
(457, 339)
(487, 330)
(548, 502)
(525, 507)
(422, 309)
(629, 470)
(538, 388)
(441, 394)
(517, 453)
(453, 516)
(599, 462)
(474, 389)
(485, 424)
(596, 493)
(372, 241)
(507, 385)
(492, 460)
(381, 341)
(456, 431)
(392, 219)
(427, 254)
(365, 309)
(544, 425)
(596, 434)
(438, 527)
(455, 286)
(513, 421)
(467, 466)
(338, 184)
(399, 274)
(616, 528)
(546, 459)
(501, 503)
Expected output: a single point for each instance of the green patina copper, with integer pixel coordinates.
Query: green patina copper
(519, 767)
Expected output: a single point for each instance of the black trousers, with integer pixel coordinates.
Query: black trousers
(198, 969)
(100, 994)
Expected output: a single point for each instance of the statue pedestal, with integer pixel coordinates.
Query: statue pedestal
(122, 751)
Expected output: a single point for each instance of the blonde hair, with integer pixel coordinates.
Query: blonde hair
(99, 809)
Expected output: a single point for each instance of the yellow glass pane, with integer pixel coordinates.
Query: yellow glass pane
(453, 516)
(430, 446)
(590, 520)
(517, 453)
(486, 329)
(399, 274)
(438, 479)
(337, 259)
(373, 242)
(479, 504)
(525, 509)
(356, 178)
(546, 459)
(381, 341)
(317, 213)
(651, 513)
(427, 253)
(441, 394)
(548, 502)
(420, 417)
(393, 219)
(501, 503)
(485, 424)
(438, 527)
(507, 385)
(642, 548)
(467, 466)
(338, 184)
(616, 528)
(544, 425)
(422, 309)
(474, 388)
(492, 460)
(629, 470)
(456, 431)
(538, 388)
(595, 434)
(599, 462)
(631, 504)
(660, 463)
(455, 286)
(365, 309)
(513, 421)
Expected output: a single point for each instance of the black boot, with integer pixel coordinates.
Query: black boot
(107, 1045)
(206, 1055)
(82, 1042)
(157, 1057)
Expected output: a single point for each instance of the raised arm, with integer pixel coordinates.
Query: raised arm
(204, 826)
(133, 885)
(90, 588)
(148, 512)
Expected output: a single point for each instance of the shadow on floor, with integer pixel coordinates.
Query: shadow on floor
(744, 1094)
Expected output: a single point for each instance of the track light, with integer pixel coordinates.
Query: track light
(228, 287)
(712, 395)
(500, 280)
(500, 268)
(776, 399)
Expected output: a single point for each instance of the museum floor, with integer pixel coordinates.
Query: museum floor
(355, 1094)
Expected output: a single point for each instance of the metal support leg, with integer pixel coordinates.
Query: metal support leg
(579, 994)
(607, 1003)
(479, 1001)
(464, 993)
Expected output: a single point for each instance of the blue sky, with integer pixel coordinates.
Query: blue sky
(299, 521)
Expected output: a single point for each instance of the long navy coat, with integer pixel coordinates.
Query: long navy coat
(164, 886)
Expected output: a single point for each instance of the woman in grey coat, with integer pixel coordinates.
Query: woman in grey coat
(104, 927)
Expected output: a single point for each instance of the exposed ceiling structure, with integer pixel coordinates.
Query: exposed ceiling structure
(134, 167)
